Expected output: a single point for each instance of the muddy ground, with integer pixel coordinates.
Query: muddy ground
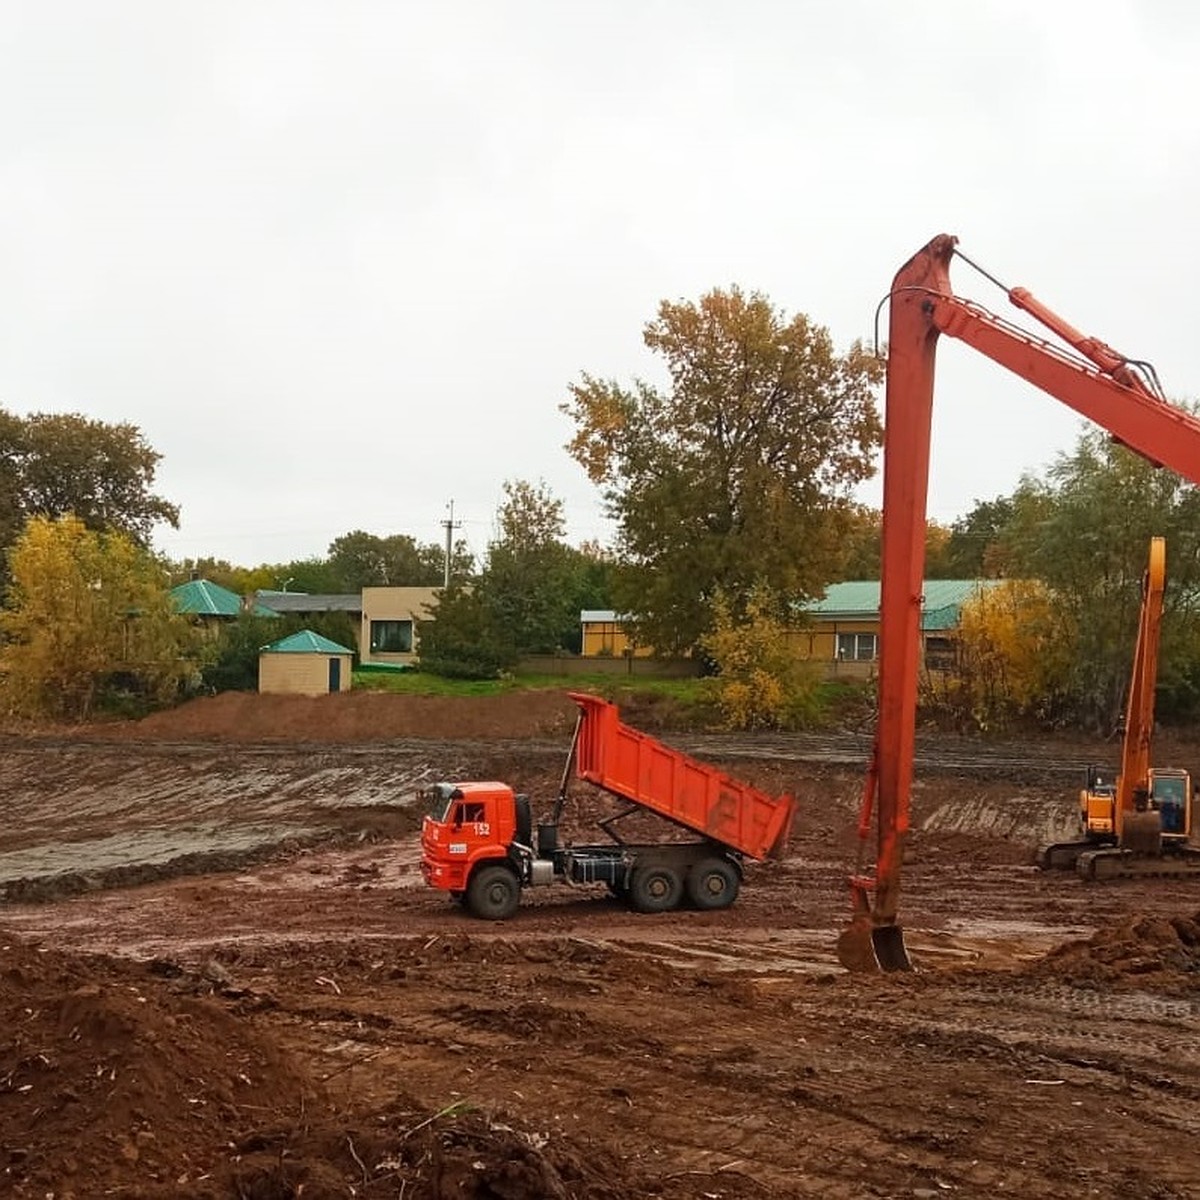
(221, 975)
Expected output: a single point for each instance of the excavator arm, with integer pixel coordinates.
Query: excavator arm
(1133, 783)
(1108, 389)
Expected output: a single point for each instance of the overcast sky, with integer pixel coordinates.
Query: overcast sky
(339, 261)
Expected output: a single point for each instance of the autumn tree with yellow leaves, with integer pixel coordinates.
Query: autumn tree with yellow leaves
(1016, 643)
(760, 682)
(89, 624)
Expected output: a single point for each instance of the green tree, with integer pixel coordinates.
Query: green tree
(741, 471)
(90, 623)
(862, 544)
(466, 639)
(52, 464)
(313, 575)
(977, 547)
(525, 600)
(530, 582)
(1085, 531)
(359, 559)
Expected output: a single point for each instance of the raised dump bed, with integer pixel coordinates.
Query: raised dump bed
(641, 769)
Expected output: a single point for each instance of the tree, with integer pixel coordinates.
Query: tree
(1085, 532)
(530, 582)
(465, 639)
(313, 575)
(862, 546)
(52, 464)
(976, 548)
(1016, 644)
(760, 682)
(90, 623)
(526, 599)
(742, 471)
(358, 559)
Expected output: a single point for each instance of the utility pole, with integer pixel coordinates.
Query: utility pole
(449, 525)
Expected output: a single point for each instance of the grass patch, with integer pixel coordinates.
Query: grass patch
(646, 703)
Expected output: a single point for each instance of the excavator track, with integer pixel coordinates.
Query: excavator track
(1063, 856)
(1100, 865)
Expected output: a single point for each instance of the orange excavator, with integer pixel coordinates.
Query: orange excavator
(1118, 393)
(1139, 823)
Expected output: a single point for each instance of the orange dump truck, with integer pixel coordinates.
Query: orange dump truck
(479, 841)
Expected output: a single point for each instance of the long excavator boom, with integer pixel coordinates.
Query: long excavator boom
(1133, 783)
(1109, 389)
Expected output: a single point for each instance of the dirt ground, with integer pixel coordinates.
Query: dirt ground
(222, 976)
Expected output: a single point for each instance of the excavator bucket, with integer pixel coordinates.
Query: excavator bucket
(863, 947)
(855, 949)
(890, 951)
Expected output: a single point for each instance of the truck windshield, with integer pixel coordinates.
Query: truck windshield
(439, 800)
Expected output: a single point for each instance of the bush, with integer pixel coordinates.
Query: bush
(464, 641)
(759, 683)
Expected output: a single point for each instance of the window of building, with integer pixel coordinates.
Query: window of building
(939, 653)
(391, 637)
(857, 647)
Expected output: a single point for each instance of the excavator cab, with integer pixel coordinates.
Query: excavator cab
(1171, 795)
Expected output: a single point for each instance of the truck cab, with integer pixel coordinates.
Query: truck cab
(466, 824)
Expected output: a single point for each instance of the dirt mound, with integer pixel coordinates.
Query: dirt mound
(355, 717)
(1164, 951)
(109, 1075)
(455, 1154)
(150, 1080)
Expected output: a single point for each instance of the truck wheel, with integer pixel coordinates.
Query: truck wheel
(493, 893)
(713, 883)
(655, 889)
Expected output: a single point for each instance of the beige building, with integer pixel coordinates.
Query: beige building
(842, 628)
(840, 632)
(387, 617)
(305, 664)
(390, 620)
(606, 635)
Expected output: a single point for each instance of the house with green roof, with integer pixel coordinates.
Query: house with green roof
(211, 605)
(843, 625)
(305, 664)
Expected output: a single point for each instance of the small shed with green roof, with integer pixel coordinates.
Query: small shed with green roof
(305, 664)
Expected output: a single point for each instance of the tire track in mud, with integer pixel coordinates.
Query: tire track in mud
(774, 1080)
(95, 813)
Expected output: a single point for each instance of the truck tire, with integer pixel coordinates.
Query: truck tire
(655, 888)
(493, 893)
(713, 883)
